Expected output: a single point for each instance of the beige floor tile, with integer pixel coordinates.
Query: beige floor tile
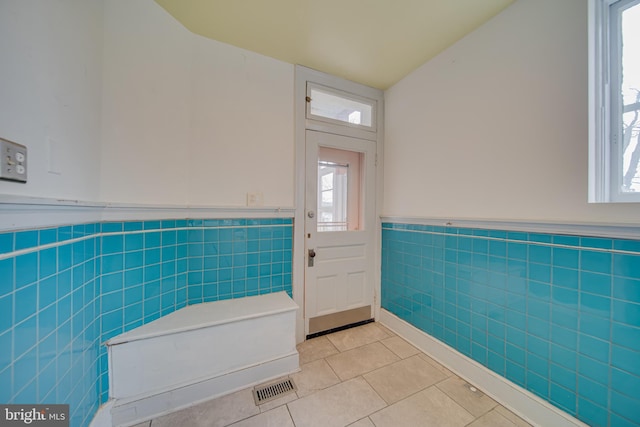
(278, 417)
(356, 337)
(400, 347)
(314, 376)
(267, 406)
(430, 407)
(385, 329)
(214, 413)
(511, 416)
(144, 424)
(492, 419)
(401, 379)
(315, 348)
(365, 422)
(361, 360)
(337, 406)
(467, 396)
(436, 364)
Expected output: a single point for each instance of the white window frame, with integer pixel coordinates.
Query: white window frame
(605, 161)
(345, 95)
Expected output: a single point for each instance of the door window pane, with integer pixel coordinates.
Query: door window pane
(339, 191)
(332, 200)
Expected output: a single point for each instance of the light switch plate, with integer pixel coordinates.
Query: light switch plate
(13, 161)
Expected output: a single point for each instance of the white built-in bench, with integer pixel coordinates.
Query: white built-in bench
(200, 352)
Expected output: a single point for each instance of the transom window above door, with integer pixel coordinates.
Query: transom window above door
(337, 107)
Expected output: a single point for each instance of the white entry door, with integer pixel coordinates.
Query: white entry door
(340, 226)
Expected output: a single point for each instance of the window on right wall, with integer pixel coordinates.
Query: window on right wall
(614, 116)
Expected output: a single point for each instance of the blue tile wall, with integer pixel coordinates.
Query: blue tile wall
(558, 315)
(66, 290)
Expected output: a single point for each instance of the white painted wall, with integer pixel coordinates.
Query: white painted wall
(188, 120)
(146, 105)
(495, 127)
(50, 89)
(242, 127)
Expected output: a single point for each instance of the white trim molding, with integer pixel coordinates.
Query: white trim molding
(606, 230)
(18, 213)
(520, 401)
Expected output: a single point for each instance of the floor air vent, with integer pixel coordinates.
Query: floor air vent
(265, 393)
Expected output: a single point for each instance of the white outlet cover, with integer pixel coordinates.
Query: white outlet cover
(255, 199)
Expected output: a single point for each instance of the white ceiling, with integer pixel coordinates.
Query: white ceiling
(374, 42)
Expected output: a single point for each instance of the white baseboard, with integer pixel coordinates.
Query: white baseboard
(520, 401)
(133, 411)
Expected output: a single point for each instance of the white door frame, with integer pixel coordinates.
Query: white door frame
(302, 124)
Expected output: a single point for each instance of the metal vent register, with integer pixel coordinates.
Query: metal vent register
(266, 393)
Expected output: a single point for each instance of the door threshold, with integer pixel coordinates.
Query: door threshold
(339, 328)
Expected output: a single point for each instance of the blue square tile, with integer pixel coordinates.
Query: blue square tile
(538, 346)
(48, 262)
(595, 305)
(627, 245)
(26, 239)
(26, 302)
(47, 321)
(565, 257)
(567, 338)
(47, 291)
(25, 337)
(592, 390)
(538, 365)
(626, 265)
(561, 375)
(624, 382)
(152, 225)
(596, 242)
(625, 335)
(537, 385)
(515, 373)
(6, 308)
(48, 235)
(593, 369)
(133, 242)
(566, 240)
(539, 309)
(595, 415)
(112, 320)
(111, 301)
(563, 398)
(112, 227)
(540, 272)
(517, 251)
(26, 269)
(133, 295)
(596, 261)
(565, 277)
(594, 326)
(625, 312)
(625, 406)
(6, 276)
(594, 348)
(6, 242)
(515, 354)
(112, 282)
(133, 226)
(594, 283)
(133, 313)
(626, 289)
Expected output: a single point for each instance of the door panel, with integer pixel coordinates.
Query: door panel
(339, 229)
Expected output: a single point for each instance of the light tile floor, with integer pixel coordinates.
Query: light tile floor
(360, 377)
